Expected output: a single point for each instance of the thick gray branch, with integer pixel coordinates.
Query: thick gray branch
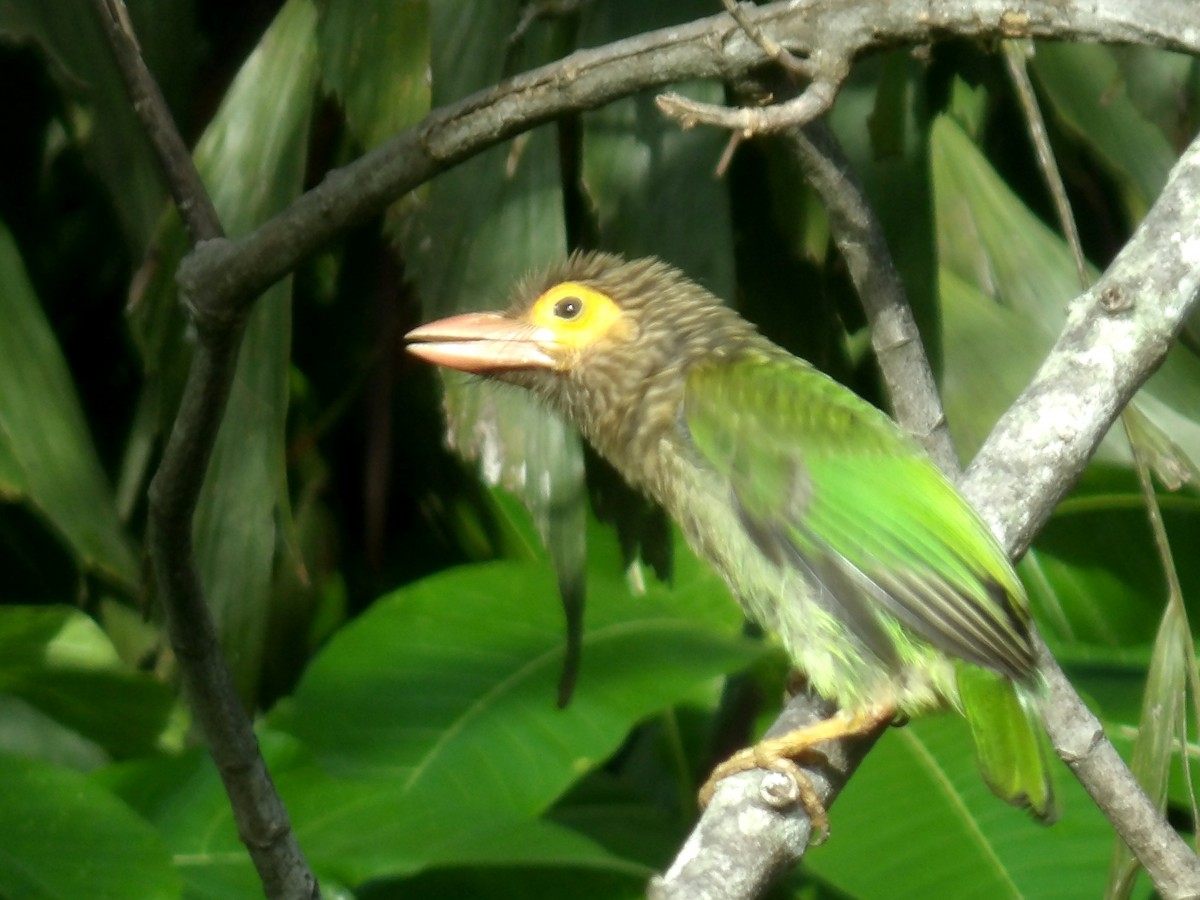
(1116, 336)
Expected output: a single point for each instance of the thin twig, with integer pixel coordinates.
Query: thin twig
(195, 207)
(1015, 55)
(791, 63)
(748, 121)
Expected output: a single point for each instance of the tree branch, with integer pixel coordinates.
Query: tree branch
(1036, 453)
(715, 47)
(195, 207)
(1116, 336)
(262, 820)
(859, 238)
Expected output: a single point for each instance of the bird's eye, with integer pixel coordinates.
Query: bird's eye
(568, 307)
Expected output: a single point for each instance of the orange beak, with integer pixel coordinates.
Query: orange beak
(483, 342)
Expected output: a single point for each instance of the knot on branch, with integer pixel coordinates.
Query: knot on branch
(210, 300)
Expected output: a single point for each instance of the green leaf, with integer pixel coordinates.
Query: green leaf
(1098, 578)
(183, 798)
(990, 354)
(919, 811)
(63, 837)
(354, 829)
(46, 454)
(58, 660)
(252, 158)
(989, 241)
(374, 57)
(454, 674)
(28, 732)
(438, 702)
(99, 114)
(653, 186)
(1084, 85)
(1163, 721)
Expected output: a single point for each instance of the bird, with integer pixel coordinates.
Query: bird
(831, 526)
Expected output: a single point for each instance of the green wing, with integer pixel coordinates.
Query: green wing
(827, 483)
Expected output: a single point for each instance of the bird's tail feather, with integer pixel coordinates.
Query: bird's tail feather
(1009, 740)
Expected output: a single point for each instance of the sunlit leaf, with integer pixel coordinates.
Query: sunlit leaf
(252, 157)
(991, 242)
(59, 661)
(375, 57)
(439, 701)
(1085, 86)
(918, 809)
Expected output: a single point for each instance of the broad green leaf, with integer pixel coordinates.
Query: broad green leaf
(46, 455)
(352, 830)
(183, 799)
(989, 239)
(252, 158)
(374, 57)
(990, 354)
(990, 242)
(453, 674)
(28, 732)
(435, 709)
(1098, 578)
(627, 817)
(918, 809)
(363, 829)
(58, 660)
(63, 837)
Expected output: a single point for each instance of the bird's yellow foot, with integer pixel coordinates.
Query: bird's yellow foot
(779, 754)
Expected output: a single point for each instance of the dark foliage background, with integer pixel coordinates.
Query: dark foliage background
(394, 620)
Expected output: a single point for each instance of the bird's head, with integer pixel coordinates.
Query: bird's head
(604, 341)
(593, 329)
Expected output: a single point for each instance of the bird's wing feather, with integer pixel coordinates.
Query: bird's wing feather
(828, 484)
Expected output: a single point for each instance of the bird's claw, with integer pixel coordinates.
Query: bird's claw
(790, 786)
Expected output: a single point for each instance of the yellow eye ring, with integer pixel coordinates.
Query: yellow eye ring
(576, 315)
